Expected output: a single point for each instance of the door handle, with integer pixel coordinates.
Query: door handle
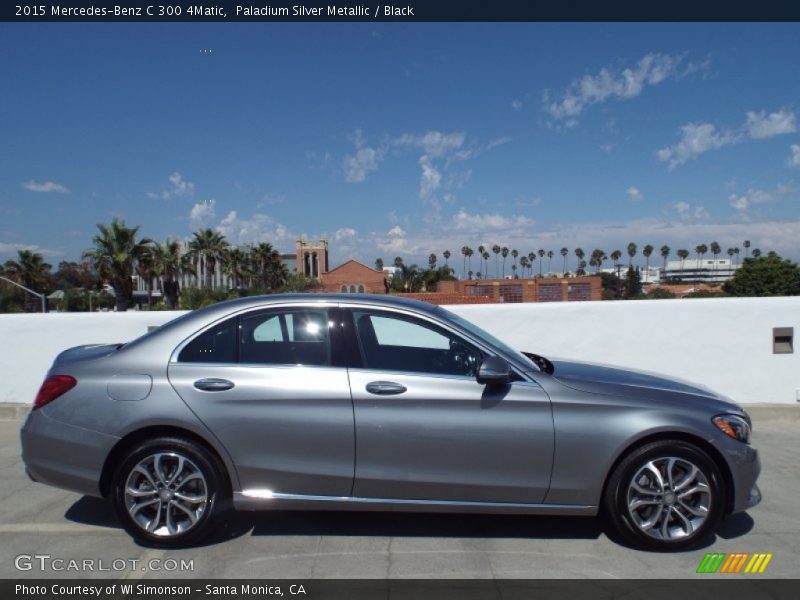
(385, 388)
(213, 385)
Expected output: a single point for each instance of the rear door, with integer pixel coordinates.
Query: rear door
(427, 430)
(268, 386)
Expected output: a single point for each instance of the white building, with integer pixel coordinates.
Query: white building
(707, 270)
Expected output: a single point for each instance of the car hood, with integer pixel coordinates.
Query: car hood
(603, 379)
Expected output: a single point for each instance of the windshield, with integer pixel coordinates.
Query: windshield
(477, 331)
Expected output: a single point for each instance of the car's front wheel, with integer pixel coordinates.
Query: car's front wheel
(666, 495)
(166, 491)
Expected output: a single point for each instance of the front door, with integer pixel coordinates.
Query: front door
(265, 384)
(426, 430)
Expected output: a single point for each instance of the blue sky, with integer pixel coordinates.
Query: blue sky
(397, 139)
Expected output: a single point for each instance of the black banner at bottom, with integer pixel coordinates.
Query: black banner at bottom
(734, 588)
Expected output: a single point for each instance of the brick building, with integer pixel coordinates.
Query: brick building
(566, 289)
(354, 277)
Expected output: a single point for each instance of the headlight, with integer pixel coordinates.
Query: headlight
(733, 426)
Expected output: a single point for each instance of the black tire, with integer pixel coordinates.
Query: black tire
(618, 493)
(183, 531)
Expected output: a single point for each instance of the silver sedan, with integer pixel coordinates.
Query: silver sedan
(353, 402)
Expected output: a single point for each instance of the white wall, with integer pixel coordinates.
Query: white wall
(724, 343)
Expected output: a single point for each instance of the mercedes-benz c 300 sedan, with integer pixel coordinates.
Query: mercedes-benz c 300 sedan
(377, 403)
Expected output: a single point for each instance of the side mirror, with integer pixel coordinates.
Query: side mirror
(494, 371)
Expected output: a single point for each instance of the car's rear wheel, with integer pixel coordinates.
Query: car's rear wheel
(166, 492)
(666, 495)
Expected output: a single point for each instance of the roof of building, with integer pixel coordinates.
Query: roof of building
(353, 260)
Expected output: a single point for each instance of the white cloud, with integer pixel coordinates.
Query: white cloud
(696, 139)
(794, 159)
(396, 231)
(742, 202)
(44, 186)
(178, 187)
(476, 223)
(202, 214)
(431, 178)
(345, 234)
(613, 83)
(635, 194)
(255, 229)
(699, 138)
(516, 104)
(433, 143)
(762, 125)
(501, 141)
(365, 160)
(686, 211)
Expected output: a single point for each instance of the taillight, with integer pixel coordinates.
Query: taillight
(53, 387)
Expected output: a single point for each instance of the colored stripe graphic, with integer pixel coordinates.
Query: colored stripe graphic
(711, 562)
(720, 562)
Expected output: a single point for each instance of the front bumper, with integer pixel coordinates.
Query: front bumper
(745, 466)
(63, 455)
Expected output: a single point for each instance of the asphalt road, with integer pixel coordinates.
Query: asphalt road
(39, 520)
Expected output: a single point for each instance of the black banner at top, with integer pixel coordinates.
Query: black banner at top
(409, 11)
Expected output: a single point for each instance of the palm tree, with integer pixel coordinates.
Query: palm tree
(531, 260)
(646, 252)
(598, 255)
(665, 255)
(631, 253)
(756, 252)
(523, 262)
(116, 249)
(550, 255)
(683, 254)
(432, 261)
(564, 253)
(446, 255)
(486, 257)
(171, 265)
(730, 252)
(504, 254)
(581, 268)
(541, 254)
(268, 266)
(208, 247)
(464, 252)
(746, 245)
(579, 254)
(379, 264)
(470, 252)
(716, 249)
(701, 250)
(148, 271)
(236, 265)
(398, 261)
(496, 249)
(29, 270)
(514, 255)
(481, 252)
(736, 252)
(615, 256)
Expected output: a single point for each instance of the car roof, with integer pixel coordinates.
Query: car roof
(326, 297)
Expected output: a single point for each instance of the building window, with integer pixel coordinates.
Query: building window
(352, 289)
(360, 289)
(344, 289)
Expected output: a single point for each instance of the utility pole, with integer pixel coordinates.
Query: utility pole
(42, 297)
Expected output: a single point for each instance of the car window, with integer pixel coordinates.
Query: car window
(217, 345)
(399, 343)
(288, 337)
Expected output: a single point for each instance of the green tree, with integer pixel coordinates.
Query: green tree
(172, 265)
(379, 264)
(115, 251)
(432, 261)
(496, 249)
(541, 252)
(746, 245)
(564, 254)
(579, 254)
(683, 254)
(768, 275)
(633, 283)
(446, 255)
(756, 252)
(504, 254)
(665, 254)
(31, 271)
(550, 255)
(631, 253)
(269, 267)
(208, 248)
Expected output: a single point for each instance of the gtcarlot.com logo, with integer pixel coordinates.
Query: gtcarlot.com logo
(737, 562)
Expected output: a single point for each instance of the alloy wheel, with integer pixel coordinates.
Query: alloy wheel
(166, 494)
(669, 498)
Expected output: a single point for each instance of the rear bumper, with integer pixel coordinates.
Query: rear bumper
(62, 455)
